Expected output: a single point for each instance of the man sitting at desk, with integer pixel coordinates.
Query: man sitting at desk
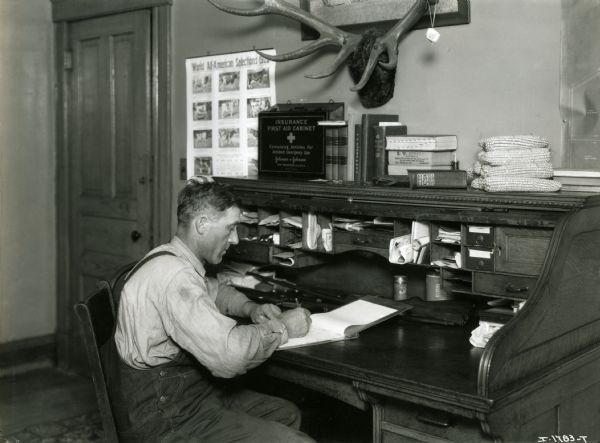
(172, 317)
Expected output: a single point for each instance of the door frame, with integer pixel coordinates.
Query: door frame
(64, 12)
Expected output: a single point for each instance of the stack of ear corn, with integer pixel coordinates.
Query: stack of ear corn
(514, 163)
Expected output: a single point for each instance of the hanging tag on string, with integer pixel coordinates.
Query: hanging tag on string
(432, 34)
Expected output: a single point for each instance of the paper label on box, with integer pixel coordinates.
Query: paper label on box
(477, 253)
(480, 229)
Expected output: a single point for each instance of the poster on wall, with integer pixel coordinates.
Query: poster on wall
(225, 93)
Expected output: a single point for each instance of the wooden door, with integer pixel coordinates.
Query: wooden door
(109, 153)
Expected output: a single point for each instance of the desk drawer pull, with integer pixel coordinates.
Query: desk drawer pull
(435, 418)
(510, 288)
(361, 241)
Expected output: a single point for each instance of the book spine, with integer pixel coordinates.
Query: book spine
(437, 179)
(328, 153)
(369, 123)
(406, 142)
(335, 154)
(365, 147)
(343, 153)
(419, 158)
(357, 152)
(379, 168)
(580, 188)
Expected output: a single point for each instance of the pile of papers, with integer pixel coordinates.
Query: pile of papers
(448, 235)
(482, 333)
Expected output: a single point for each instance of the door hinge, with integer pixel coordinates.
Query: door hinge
(67, 60)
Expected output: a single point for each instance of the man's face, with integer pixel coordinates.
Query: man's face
(220, 232)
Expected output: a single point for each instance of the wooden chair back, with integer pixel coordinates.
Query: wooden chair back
(97, 318)
(118, 281)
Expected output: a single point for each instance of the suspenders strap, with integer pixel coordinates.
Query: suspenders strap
(143, 261)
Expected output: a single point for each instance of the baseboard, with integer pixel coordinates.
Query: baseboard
(28, 354)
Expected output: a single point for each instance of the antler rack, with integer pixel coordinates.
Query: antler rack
(332, 36)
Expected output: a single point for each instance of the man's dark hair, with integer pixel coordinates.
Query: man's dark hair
(197, 197)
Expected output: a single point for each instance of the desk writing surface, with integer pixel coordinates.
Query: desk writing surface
(399, 352)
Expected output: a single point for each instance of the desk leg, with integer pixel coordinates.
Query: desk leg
(376, 410)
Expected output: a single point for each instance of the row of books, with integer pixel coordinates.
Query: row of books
(336, 150)
(578, 180)
(369, 149)
(383, 147)
(406, 152)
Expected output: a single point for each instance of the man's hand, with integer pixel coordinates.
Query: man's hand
(297, 322)
(262, 313)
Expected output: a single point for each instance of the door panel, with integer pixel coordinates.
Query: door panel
(109, 150)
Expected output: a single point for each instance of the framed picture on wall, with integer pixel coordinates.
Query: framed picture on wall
(350, 14)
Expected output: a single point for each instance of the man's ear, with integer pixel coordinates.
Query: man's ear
(201, 224)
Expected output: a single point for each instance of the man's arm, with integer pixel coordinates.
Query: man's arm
(233, 302)
(196, 324)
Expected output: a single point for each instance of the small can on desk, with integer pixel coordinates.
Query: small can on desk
(400, 287)
(433, 288)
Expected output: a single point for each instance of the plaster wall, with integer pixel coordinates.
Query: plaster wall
(498, 75)
(27, 172)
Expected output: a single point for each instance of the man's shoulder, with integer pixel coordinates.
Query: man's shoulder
(167, 259)
(161, 265)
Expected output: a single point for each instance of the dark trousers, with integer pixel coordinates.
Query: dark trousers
(181, 402)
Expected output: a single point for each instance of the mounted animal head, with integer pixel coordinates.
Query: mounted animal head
(372, 57)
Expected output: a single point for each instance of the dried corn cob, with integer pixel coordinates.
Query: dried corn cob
(513, 142)
(514, 156)
(507, 183)
(531, 169)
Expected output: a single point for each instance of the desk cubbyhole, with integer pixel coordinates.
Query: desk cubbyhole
(317, 232)
(402, 227)
(290, 229)
(247, 230)
(445, 245)
(456, 281)
(268, 225)
(363, 233)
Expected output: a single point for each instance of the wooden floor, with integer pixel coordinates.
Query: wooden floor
(48, 395)
(43, 396)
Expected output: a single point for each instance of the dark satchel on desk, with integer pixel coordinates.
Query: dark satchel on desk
(447, 312)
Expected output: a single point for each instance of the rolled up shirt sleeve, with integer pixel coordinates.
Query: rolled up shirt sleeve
(229, 300)
(194, 310)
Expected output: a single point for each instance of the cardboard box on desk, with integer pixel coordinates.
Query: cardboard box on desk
(290, 141)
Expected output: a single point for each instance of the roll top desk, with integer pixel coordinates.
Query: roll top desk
(539, 374)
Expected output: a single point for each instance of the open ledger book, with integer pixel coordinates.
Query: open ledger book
(345, 322)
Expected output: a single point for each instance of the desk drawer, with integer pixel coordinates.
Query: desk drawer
(404, 422)
(482, 236)
(368, 240)
(478, 259)
(513, 286)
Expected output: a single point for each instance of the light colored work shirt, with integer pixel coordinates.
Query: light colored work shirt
(170, 304)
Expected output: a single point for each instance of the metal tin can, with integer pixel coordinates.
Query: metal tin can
(433, 288)
(400, 287)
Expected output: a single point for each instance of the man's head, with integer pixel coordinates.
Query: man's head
(207, 217)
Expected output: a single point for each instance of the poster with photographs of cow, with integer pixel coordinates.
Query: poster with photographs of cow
(224, 94)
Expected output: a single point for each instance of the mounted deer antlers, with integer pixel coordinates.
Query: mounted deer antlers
(374, 75)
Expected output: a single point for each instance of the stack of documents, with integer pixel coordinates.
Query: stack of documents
(294, 221)
(249, 217)
(271, 220)
(448, 235)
